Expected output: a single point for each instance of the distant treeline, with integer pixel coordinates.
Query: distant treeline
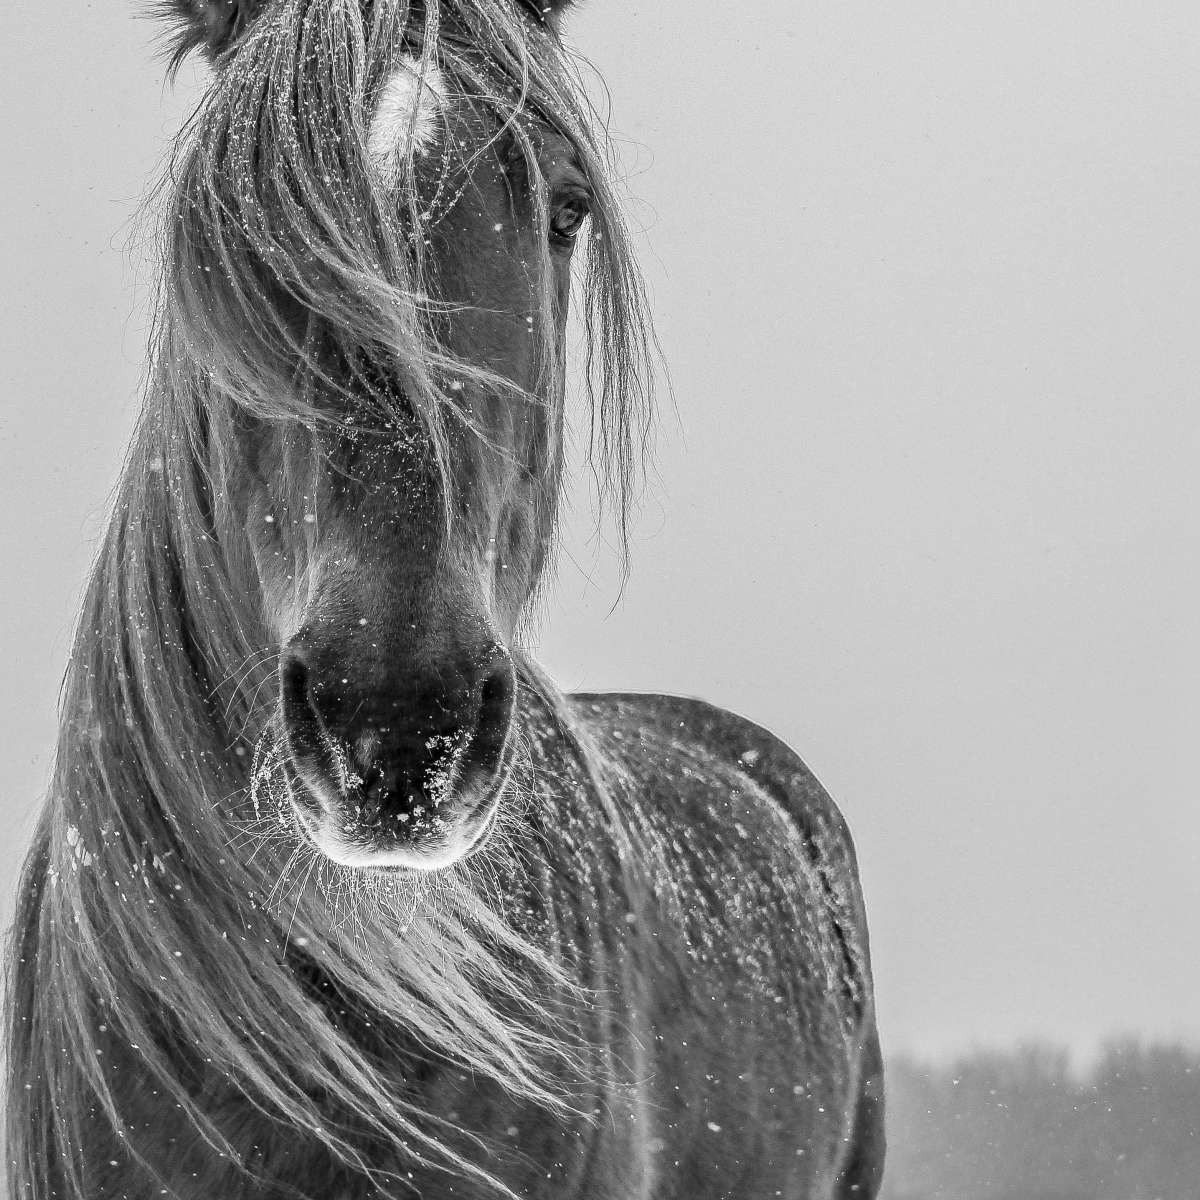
(1020, 1125)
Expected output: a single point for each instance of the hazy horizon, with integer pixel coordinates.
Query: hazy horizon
(927, 282)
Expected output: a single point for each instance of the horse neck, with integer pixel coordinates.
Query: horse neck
(583, 830)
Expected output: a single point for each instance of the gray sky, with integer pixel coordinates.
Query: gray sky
(928, 279)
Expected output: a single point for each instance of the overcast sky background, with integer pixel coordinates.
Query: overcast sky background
(928, 279)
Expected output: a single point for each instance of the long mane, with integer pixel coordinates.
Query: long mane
(162, 911)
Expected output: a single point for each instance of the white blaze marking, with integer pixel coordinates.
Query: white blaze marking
(408, 105)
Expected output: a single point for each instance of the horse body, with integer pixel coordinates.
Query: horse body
(730, 1032)
(335, 896)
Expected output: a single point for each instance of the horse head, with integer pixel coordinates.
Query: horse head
(370, 271)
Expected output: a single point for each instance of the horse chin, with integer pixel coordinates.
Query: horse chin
(432, 846)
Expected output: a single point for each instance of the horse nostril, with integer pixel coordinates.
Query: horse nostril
(496, 696)
(293, 678)
(301, 723)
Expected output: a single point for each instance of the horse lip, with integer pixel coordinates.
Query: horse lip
(470, 829)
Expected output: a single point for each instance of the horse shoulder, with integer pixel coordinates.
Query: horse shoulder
(702, 731)
(675, 731)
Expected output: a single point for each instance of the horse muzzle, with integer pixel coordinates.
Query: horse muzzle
(406, 774)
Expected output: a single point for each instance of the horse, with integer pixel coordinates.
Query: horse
(334, 893)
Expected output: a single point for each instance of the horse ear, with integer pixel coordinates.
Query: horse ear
(548, 11)
(212, 24)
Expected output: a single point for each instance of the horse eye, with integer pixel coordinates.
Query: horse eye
(568, 217)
